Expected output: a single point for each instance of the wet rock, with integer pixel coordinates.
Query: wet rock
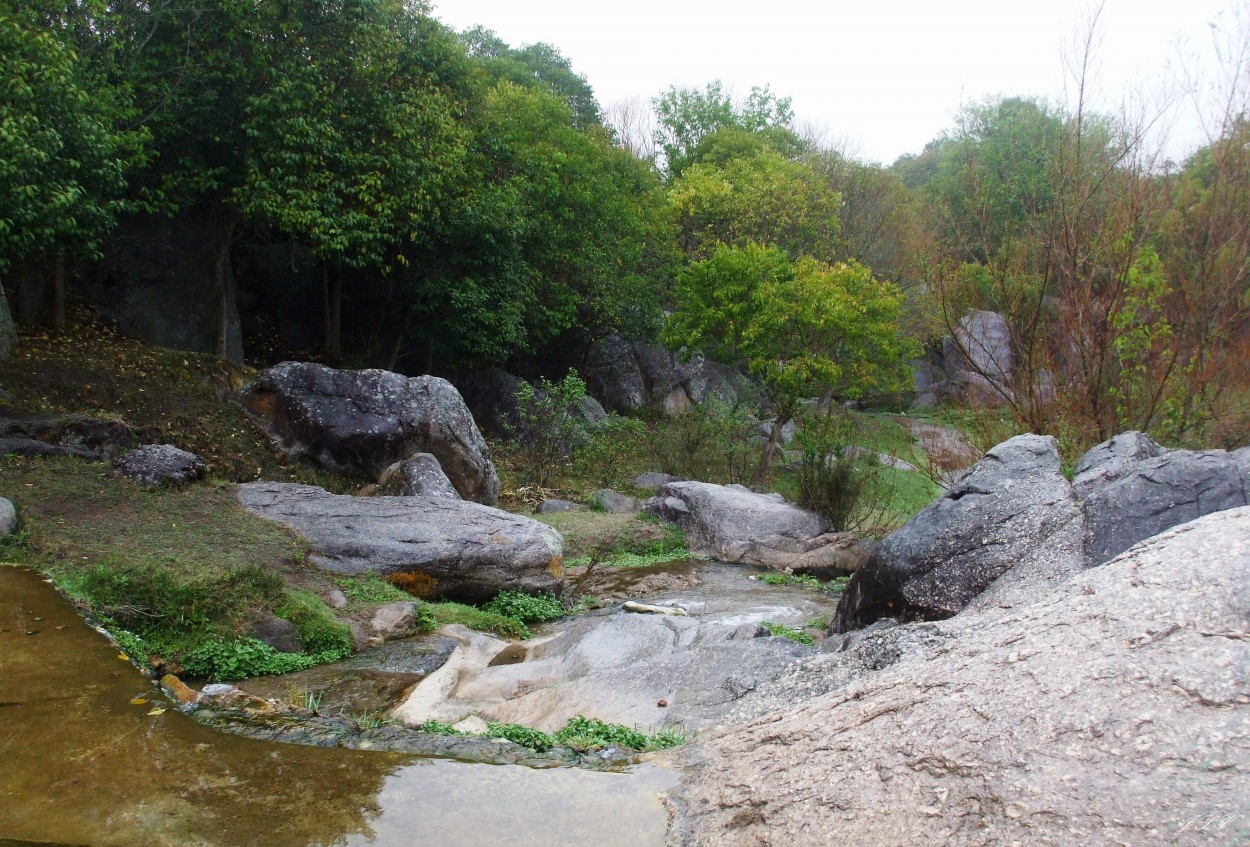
(1112, 460)
(8, 517)
(336, 599)
(1158, 493)
(420, 475)
(734, 524)
(433, 547)
(1104, 712)
(278, 633)
(394, 620)
(160, 464)
(1004, 509)
(615, 502)
(179, 690)
(548, 507)
(361, 422)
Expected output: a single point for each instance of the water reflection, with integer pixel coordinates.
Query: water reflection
(81, 764)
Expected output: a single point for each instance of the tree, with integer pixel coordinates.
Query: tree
(806, 328)
(686, 116)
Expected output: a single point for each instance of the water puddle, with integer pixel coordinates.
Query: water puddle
(82, 762)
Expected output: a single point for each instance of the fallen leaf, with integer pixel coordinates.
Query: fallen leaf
(157, 711)
(139, 701)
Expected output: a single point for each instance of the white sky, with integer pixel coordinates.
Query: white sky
(885, 75)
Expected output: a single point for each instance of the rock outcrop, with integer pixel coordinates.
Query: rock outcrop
(627, 376)
(361, 422)
(436, 546)
(160, 464)
(734, 524)
(1114, 710)
(1111, 460)
(1005, 508)
(67, 435)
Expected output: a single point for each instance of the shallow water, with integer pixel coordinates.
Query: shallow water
(80, 764)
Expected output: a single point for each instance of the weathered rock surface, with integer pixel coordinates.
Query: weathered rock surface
(394, 620)
(1113, 711)
(615, 502)
(419, 475)
(160, 464)
(360, 422)
(733, 524)
(652, 480)
(627, 376)
(8, 517)
(443, 547)
(547, 507)
(1157, 493)
(1004, 509)
(32, 447)
(1112, 460)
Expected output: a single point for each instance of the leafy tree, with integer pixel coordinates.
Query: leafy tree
(806, 328)
(687, 116)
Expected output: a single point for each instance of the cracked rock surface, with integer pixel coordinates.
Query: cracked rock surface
(1115, 710)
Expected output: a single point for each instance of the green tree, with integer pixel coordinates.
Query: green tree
(806, 328)
(686, 116)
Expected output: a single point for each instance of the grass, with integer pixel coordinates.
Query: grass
(779, 578)
(614, 540)
(584, 735)
(439, 614)
(795, 635)
(368, 589)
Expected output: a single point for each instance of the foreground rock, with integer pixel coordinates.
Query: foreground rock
(734, 524)
(1004, 510)
(160, 465)
(1115, 710)
(8, 517)
(361, 422)
(438, 547)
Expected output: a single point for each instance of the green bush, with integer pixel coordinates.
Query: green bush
(837, 479)
(527, 608)
(534, 739)
(714, 443)
(439, 728)
(219, 659)
(550, 426)
(609, 451)
(778, 578)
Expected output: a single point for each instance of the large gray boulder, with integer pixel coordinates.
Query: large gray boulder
(1111, 460)
(1114, 710)
(1005, 508)
(1157, 493)
(628, 376)
(160, 464)
(445, 548)
(360, 422)
(614, 376)
(734, 524)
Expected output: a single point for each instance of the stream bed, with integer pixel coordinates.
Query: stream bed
(83, 762)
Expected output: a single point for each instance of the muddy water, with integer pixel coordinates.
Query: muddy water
(81, 764)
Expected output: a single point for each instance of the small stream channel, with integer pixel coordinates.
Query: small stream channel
(82, 762)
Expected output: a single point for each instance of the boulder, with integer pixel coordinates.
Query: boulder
(977, 359)
(547, 507)
(491, 397)
(278, 633)
(613, 375)
(734, 524)
(420, 475)
(652, 480)
(435, 547)
(160, 464)
(1112, 460)
(8, 517)
(1114, 710)
(615, 502)
(394, 620)
(1158, 493)
(1007, 506)
(361, 422)
(336, 599)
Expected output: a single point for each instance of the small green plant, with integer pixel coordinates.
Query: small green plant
(837, 585)
(797, 636)
(779, 578)
(365, 721)
(370, 589)
(439, 728)
(218, 659)
(534, 739)
(526, 608)
(550, 426)
(837, 479)
(818, 624)
(306, 699)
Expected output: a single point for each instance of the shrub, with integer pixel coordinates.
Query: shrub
(219, 659)
(714, 443)
(534, 739)
(837, 479)
(526, 608)
(550, 425)
(610, 450)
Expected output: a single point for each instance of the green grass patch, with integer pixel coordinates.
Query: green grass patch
(526, 608)
(318, 628)
(779, 578)
(370, 589)
(795, 635)
(586, 734)
(475, 618)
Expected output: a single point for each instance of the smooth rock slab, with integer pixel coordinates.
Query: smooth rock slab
(1110, 712)
(443, 548)
(734, 524)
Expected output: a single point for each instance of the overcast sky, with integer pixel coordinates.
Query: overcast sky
(886, 75)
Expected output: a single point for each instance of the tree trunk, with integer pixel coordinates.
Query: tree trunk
(332, 313)
(58, 292)
(8, 332)
(223, 284)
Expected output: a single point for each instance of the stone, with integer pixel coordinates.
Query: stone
(1158, 493)
(734, 524)
(8, 517)
(677, 402)
(433, 547)
(278, 633)
(615, 502)
(1113, 710)
(978, 360)
(394, 620)
(652, 480)
(361, 422)
(33, 447)
(1007, 506)
(613, 375)
(646, 609)
(420, 475)
(179, 690)
(1112, 460)
(491, 396)
(788, 431)
(160, 464)
(473, 725)
(336, 599)
(548, 507)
